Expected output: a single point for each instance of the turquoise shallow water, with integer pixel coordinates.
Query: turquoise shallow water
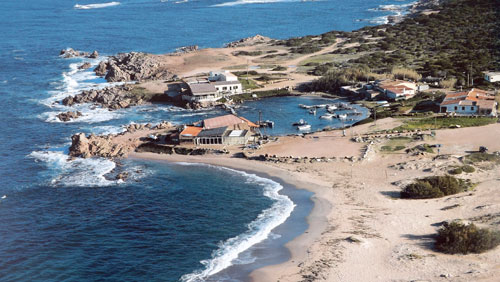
(70, 220)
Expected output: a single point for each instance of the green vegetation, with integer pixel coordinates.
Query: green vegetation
(247, 53)
(333, 80)
(481, 157)
(279, 68)
(460, 40)
(460, 238)
(395, 144)
(248, 84)
(260, 94)
(435, 187)
(459, 169)
(444, 122)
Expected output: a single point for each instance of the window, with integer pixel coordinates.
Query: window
(456, 108)
(471, 108)
(224, 88)
(463, 108)
(235, 87)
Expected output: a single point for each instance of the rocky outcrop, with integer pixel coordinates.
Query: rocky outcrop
(67, 116)
(133, 66)
(72, 53)
(249, 41)
(84, 66)
(113, 98)
(100, 146)
(187, 49)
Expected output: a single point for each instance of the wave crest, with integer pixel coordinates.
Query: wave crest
(258, 230)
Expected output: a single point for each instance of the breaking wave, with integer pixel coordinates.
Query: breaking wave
(247, 2)
(258, 230)
(95, 6)
(78, 172)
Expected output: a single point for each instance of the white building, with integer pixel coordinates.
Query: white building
(201, 92)
(222, 76)
(228, 87)
(396, 89)
(492, 76)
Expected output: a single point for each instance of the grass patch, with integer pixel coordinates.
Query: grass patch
(444, 122)
(459, 238)
(435, 187)
(260, 94)
(395, 144)
(247, 53)
(249, 84)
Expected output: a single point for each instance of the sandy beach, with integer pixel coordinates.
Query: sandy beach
(359, 229)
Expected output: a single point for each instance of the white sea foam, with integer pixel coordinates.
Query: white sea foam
(247, 2)
(73, 82)
(78, 172)
(258, 230)
(95, 6)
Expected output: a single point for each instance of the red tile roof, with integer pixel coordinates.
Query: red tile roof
(191, 131)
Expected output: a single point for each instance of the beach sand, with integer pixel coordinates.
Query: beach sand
(359, 230)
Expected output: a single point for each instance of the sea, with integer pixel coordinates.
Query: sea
(71, 220)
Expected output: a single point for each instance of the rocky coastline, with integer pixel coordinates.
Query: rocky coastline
(133, 66)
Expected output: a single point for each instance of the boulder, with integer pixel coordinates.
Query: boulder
(101, 69)
(94, 55)
(67, 116)
(71, 53)
(84, 66)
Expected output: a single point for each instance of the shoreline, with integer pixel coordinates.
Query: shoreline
(316, 219)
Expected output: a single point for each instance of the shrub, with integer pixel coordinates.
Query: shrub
(403, 73)
(456, 237)
(468, 169)
(434, 187)
(455, 171)
(279, 68)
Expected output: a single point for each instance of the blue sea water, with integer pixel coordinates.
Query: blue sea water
(70, 220)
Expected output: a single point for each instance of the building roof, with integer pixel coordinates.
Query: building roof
(236, 133)
(213, 132)
(226, 120)
(486, 104)
(450, 102)
(226, 82)
(191, 131)
(385, 84)
(202, 88)
(472, 95)
(490, 73)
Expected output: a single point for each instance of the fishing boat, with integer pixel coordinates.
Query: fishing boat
(331, 108)
(312, 111)
(266, 123)
(300, 122)
(342, 116)
(326, 116)
(304, 127)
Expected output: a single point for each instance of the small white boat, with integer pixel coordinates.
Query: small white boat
(331, 108)
(342, 116)
(304, 127)
(312, 111)
(326, 116)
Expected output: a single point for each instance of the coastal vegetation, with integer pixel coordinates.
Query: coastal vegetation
(444, 122)
(459, 169)
(460, 40)
(435, 187)
(460, 238)
(260, 94)
(478, 157)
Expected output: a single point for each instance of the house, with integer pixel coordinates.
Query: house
(473, 102)
(222, 130)
(396, 89)
(492, 76)
(201, 92)
(228, 87)
(222, 76)
(218, 85)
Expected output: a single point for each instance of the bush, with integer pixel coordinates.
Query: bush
(456, 237)
(455, 171)
(434, 187)
(468, 169)
(279, 68)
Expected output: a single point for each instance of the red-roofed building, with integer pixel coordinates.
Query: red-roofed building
(473, 102)
(397, 89)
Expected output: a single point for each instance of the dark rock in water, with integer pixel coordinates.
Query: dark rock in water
(69, 116)
(94, 55)
(85, 66)
(134, 66)
(123, 176)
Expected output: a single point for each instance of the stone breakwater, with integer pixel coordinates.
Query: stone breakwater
(113, 145)
(134, 66)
